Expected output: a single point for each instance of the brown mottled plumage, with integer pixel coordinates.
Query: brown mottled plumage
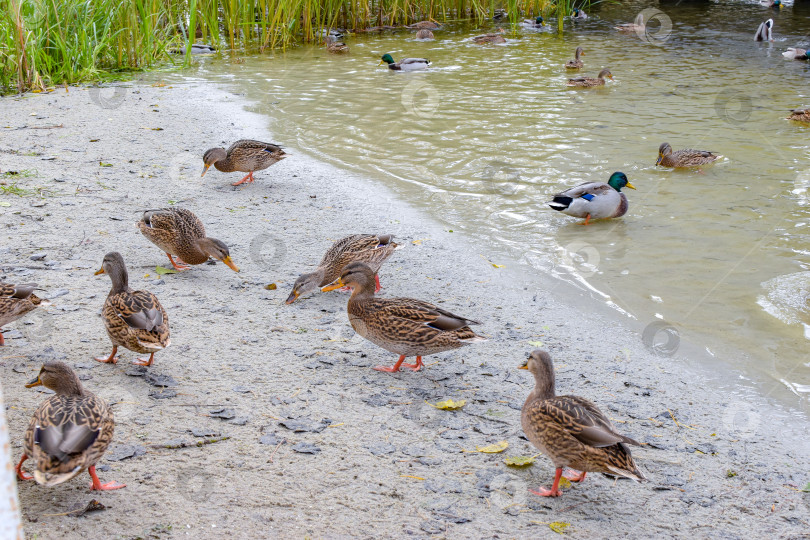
(335, 46)
(424, 25)
(637, 26)
(69, 431)
(179, 232)
(800, 115)
(572, 431)
(590, 82)
(16, 301)
(576, 63)
(244, 156)
(371, 249)
(134, 319)
(684, 158)
(490, 38)
(403, 326)
(425, 34)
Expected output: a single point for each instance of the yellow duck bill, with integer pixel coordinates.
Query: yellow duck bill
(338, 283)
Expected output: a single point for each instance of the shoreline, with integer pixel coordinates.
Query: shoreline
(302, 362)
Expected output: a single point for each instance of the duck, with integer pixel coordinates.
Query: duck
(424, 25)
(794, 53)
(335, 46)
(636, 26)
(403, 326)
(594, 200)
(798, 115)
(499, 15)
(424, 33)
(69, 431)
(684, 158)
(589, 82)
(372, 249)
(572, 431)
(776, 4)
(180, 232)
(406, 64)
(534, 23)
(576, 63)
(196, 48)
(764, 31)
(133, 319)
(579, 15)
(490, 38)
(16, 301)
(244, 156)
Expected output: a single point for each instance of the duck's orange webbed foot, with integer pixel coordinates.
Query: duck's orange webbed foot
(555, 489)
(248, 178)
(112, 359)
(394, 368)
(415, 367)
(179, 267)
(21, 473)
(377, 280)
(142, 362)
(573, 477)
(96, 484)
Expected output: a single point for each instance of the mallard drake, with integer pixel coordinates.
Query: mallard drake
(179, 232)
(16, 301)
(499, 15)
(799, 115)
(764, 31)
(776, 4)
(590, 82)
(335, 46)
(684, 158)
(406, 64)
(579, 15)
(134, 319)
(576, 63)
(243, 156)
(533, 23)
(424, 25)
(403, 326)
(594, 200)
(371, 249)
(636, 26)
(572, 431)
(69, 431)
(796, 54)
(424, 33)
(490, 38)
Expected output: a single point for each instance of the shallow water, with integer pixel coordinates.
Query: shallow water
(483, 139)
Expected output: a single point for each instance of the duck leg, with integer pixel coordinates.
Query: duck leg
(587, 219)
(391, 369)
(555, 488)
(97, 485)
(377, 280)
(415, 367)
(248, 178)
(179, 267)
(20, 473)
(575, 477)
(2, 341)
(142, 362)
(112, 359)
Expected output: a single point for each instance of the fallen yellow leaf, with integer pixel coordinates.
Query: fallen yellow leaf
(559, 526)
(493, 448)
(409, 476)
(271, 287)
(449, 404)
(519, 461)
(564, 482)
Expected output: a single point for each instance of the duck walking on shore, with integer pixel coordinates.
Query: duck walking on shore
(594, 200)
(403, 326)
(16, 301)
(244, 156)
(572, 431)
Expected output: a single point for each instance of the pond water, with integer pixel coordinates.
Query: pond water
(488, 134)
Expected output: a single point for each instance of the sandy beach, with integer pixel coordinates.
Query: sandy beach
(264, 420)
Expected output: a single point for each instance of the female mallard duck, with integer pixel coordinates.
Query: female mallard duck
(403, 326)
(572, 431)
(16, 301)
(179, 232)
(579, 15)
(134, 319)
(796, 54)
(534, 23)
(594, 200)
(69, 431)
(335, 46)
(576, 63)
(406, 64)
(636, 26)
(424, 33)
(490, 38)
(424, 25)
(798, 115)
(243, 156)
(764, 31)
(590, 82)
(371, 249)
(684, 158)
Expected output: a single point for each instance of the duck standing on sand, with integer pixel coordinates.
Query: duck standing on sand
(403, 326)
(16, 301)
(764, 31)
(594, 200)
(684, 158)
(406, 64)
(590, 82)
(244, 156)
(572, 431)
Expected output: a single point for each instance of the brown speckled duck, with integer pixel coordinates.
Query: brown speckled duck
(403, 326)
(424, 33)
(424, 25)
(576, 63)
(590, 82)
(572, 431)
(335, 46)
(243, 156)
(69, 431)
(179, 232)
(134, 319)
(490, 38)
(798, 115)
(16, 301)
(684, 158)
(372, 249)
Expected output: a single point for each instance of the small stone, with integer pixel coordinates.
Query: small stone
(271, 438)
(241, 389)
(429, 461)
(381, 448)
(414, 450)
(164, 381)
(225, 414)
(432, 527)
(125, 451)
(306, 448)
(166, 393)
(136, 371)
(239, 421)
(203, 432)
(38, 256)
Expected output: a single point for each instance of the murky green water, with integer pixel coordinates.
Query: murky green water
(487, 135)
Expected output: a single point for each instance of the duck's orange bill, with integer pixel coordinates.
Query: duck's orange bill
(35, 382)
(338, 283)
(229, 262)
(99, 272)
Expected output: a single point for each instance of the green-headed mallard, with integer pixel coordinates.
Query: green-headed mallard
(636, 26)
(684, 158)
(179, 232)
(572, 431)
(490, 38)
(335, 46)
(133, 319)
(403, 326)
(794, 53)
(590, 82)
(69, 431)
(243, 156)
(406, 64)
(16, 301)
(424, 25)
(533, 23)
(579, 15)
(576, 63)
(798, 115)
(764, 31)
(594, 200)
(424, 33)
(372, 249)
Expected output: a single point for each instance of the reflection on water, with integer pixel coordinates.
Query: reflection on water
(489, 133)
